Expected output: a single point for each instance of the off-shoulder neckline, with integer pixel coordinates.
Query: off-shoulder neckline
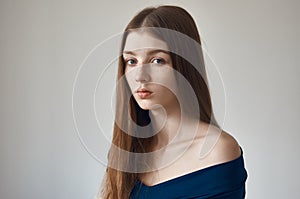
(194, 172)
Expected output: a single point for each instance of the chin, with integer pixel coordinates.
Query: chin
(146, 105)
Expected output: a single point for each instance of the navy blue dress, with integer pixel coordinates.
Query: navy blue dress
(221, 181)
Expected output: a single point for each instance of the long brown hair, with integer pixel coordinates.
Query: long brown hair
(118, 184)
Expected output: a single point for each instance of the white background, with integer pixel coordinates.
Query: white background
(42, 44)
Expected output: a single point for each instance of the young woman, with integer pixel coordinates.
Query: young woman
(164, 118)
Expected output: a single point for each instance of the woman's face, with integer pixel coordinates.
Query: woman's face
(149, 71)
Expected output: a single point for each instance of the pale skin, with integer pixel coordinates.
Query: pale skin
(138, 51)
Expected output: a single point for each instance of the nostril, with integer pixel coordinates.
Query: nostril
(142, 79)
(142, 73)
(142, 76)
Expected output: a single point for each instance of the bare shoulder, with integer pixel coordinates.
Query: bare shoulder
(226, 149)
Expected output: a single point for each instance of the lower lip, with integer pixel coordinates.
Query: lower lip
(144, 94)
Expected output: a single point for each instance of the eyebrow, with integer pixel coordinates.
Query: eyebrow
(150, 52)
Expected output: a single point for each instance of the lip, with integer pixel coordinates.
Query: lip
(143, 90)
(143, 93)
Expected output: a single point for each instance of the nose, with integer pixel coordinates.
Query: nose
(142, 75)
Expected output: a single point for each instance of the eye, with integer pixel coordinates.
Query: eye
(158, 61)
(130, 62)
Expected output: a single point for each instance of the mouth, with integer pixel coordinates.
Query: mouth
(143, 93)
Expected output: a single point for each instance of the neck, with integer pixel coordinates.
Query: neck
(166, 122)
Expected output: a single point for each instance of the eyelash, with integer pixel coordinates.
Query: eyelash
(160, 59)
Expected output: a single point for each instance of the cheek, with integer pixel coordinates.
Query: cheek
(129, 77)
(166, 79)
(163, 76)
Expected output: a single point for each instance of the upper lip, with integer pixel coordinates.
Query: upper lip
(143, 90)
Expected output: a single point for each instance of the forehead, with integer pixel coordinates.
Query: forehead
(140, 40)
